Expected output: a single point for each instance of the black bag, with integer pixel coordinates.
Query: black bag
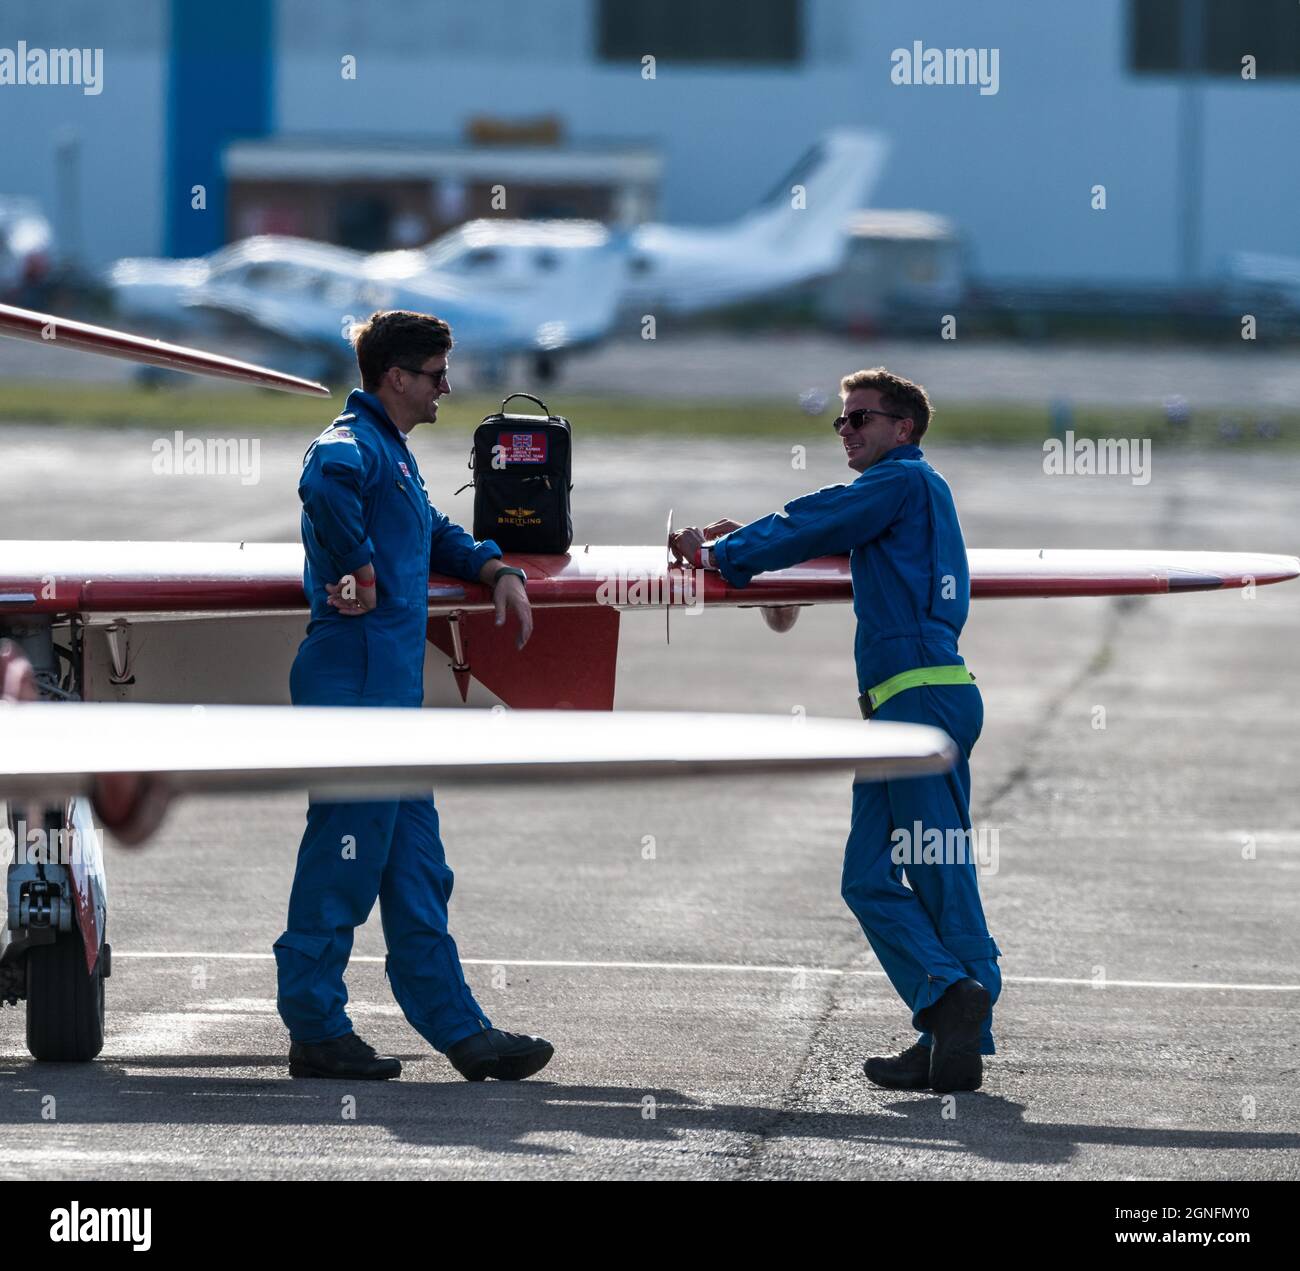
(523, 470)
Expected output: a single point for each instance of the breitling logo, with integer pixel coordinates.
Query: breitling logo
(519, 516)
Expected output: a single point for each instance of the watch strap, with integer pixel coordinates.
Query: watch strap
(509, 569)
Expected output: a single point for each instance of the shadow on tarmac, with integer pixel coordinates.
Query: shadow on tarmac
(501, 1116)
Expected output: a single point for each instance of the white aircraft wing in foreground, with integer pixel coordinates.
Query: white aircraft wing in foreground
(129, 759)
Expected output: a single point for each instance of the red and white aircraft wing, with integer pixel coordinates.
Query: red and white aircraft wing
(186, 578)
(147, 609)
(52, 332)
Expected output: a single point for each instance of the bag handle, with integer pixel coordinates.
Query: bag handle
(531, 398)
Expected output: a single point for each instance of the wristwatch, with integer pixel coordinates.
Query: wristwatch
(509, 569)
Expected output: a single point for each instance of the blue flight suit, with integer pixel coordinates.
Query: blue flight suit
(364, 501)
(911, 594)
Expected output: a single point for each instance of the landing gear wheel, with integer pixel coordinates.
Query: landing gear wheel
(65, 1004)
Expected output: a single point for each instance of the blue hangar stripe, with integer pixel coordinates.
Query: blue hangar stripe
(220, 80)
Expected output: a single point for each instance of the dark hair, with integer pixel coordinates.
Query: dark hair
(896, 394)
(393, 337)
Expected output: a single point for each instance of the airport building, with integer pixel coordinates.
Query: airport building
(378, 126)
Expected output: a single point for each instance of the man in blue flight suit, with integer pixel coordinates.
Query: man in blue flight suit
(911, 593)
(371, 540)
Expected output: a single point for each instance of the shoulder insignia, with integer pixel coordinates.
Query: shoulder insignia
(338, 432)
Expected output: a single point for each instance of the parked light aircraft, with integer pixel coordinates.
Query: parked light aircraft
(799, 232)
(309, 295)
(509, 287)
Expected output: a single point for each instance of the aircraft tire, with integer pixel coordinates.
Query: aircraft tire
(65, 1005)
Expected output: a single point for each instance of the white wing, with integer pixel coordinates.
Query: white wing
(54, 750)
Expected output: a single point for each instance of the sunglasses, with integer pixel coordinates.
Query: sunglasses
(436, 376)
(860, 418)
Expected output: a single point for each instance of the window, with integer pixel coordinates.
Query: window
(759, 32)
(1165, 37)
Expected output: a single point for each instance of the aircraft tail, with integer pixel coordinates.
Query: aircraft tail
(806, 214)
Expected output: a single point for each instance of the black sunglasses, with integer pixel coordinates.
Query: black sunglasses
(859, 418)
(436, 376)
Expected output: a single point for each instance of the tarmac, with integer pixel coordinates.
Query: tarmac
(684, 944)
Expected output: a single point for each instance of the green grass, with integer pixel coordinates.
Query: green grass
(242, 411)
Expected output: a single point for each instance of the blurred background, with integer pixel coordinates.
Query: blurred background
(678, 201)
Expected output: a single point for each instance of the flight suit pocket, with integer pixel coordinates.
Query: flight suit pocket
(299, 964)
(970, 948)
(330, 669)
(313, 946)
(395, 657)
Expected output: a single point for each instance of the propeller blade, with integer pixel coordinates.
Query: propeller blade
(668, 571)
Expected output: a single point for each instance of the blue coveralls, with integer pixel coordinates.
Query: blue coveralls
(364, 501)
(911, 594)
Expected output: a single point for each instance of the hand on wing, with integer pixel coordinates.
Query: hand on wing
(719, 528)
(686, 545)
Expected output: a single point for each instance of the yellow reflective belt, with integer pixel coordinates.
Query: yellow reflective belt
(917, 678)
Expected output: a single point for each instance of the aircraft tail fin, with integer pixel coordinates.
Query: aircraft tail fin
(806, 214)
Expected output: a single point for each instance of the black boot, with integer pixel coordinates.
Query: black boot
(347, 1056)
(955, 1021)
(505, 1056)
(907, 1071)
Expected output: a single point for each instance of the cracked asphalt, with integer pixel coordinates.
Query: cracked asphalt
(684, 945)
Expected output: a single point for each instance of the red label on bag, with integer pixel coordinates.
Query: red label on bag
(522, 447)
